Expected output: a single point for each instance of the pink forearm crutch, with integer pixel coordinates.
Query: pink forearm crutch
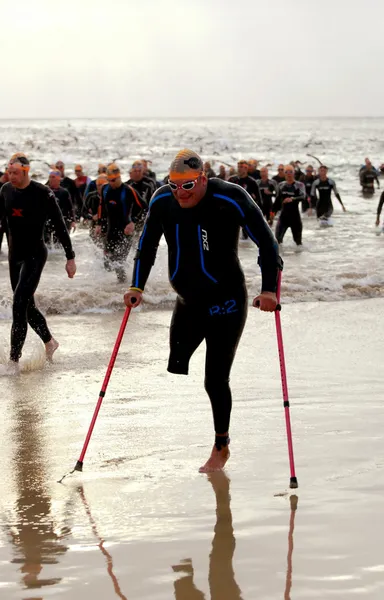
(293, 482)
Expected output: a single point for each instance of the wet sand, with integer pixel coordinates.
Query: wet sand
(140, 522)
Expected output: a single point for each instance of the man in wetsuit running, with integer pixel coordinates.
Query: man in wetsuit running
(200, 220)
(268, 190)
(324, 186)
(3, 224)
(290, 194)
(121, 206)
(27, 205)
(92, 209)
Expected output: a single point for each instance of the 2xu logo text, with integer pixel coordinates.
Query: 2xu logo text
(204, 236)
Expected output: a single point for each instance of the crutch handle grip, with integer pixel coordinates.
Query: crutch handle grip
(278, 306)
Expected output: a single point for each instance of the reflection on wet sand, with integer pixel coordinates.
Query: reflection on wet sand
(33, 531)
(288, 585)
(104, 551)
(222, 583)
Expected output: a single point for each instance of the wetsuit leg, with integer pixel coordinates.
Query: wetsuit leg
(117, 252)
(267, 208)
(224, 329)
(297, 230)
(25, 277)
(281, 229)
(305, 205)
(186, 334)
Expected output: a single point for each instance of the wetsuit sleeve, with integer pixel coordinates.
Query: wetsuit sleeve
(256, 192)
(251, 218)
(55, 215)
(148, 244)
(301, 196)
(138, 204)
(102, 211)
(336, 192)
(2, 210)
(379, 206)
(314, 192)
(278, 202)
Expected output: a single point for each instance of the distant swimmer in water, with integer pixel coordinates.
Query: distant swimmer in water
(121, 206)
(321, 195)
(200, 220)
(27, 205)
(268, 191)
(368, 176)
(290, 194)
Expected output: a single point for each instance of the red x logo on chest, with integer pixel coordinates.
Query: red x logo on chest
(17, 212)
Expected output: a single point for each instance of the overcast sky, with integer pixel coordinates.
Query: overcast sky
(164, 58)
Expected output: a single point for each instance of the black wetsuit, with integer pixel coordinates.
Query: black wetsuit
(250, 185)
(254, 174)
(92, 207)
(367, 180)
(146, 187)
(65, 203)
(308, 182)
(205, 272)
(278, 178)
(323, 203)
(119, 207)
(268, 190)
(289, 215)
(27, 212)
(210, 173)
(91, 187)
(3, 224)
(70, 185)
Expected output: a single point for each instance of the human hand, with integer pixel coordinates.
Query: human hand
(70, 267)
(266, 301)
(129, 229)
(133, 298)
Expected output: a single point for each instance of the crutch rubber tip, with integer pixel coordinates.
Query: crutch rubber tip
(293, 483)
(79, 466)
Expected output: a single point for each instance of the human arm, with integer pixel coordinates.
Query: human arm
(379, 208)
(314, 193)
(338, 195)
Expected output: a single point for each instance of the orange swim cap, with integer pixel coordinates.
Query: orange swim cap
(113, 171)
(20, 159)
(186, 165)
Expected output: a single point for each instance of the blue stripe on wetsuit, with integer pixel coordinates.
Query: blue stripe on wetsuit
(202, 256)
(232, 201)
(178, 252)
(137, 266)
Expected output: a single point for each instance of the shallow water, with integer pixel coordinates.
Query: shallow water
(342, 262)
(140, 522)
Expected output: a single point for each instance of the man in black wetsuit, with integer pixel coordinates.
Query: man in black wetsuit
(200, 220)
(279, 177)
(248, 183)
(27, 205)
(145, 186)
(121, 206)
(324, 186)
(308, 180)
(290, 194)
(69, 184)
(253, 171)
(368, 176)
(268, 190)
(92, 186)
(222, 173)
(208, 170)
(92, 209)
(65, 203)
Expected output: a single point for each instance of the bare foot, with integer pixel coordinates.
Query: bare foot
(50, 348)
(217, 460)
(13, 368)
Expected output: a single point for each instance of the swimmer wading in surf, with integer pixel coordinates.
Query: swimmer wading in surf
(27, 206)
(201, 220)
